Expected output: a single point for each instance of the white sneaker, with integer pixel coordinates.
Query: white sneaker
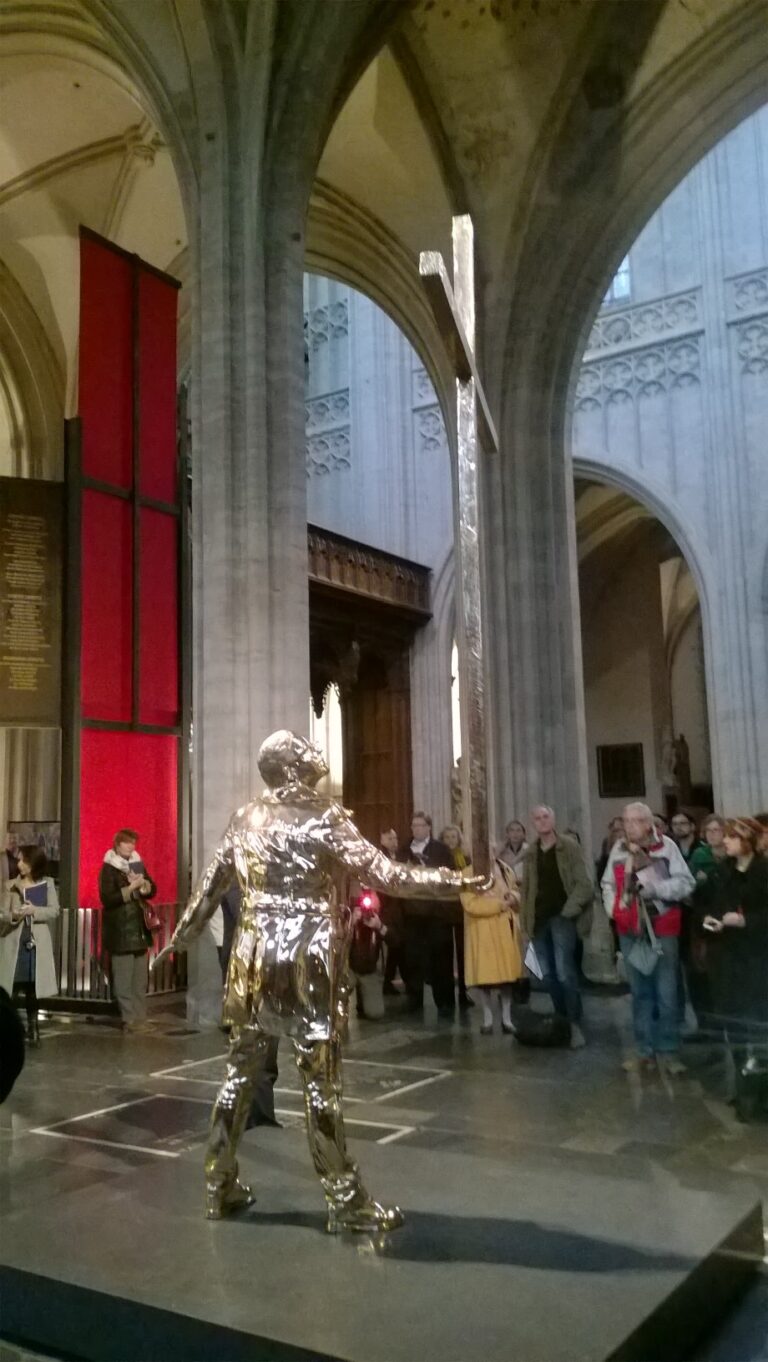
(578, 1039)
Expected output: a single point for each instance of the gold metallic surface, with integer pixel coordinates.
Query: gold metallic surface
(454, 310)
(292, 852)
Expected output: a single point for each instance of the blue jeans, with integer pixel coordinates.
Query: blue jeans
(555, 947)
(655, 1004)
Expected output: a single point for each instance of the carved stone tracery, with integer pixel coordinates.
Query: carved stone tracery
(632, 326)
(639, 374)
(752, 346)
(327, 323)
(749, 293)
(327, 425)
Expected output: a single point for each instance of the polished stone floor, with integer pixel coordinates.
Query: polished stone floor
(93, 1109)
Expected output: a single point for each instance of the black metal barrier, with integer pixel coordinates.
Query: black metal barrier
(83, 968)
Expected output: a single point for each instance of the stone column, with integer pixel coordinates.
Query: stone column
(264, 95)
(734, 608)
(537, 734)
(250, 606)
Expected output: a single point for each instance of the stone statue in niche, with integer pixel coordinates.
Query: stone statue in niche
(683, 767)
(668, 758)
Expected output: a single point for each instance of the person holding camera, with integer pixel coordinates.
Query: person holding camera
(368, 935)
(27, 965)
(644, 886)
(125, 889)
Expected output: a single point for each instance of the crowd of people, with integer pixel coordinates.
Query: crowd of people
(685, 912)
(685, 909)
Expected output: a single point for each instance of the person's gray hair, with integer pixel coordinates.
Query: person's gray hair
(546, 807)
(643, 810)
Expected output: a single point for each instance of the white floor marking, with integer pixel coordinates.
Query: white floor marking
(101, 1111)
(395, 1132)
(56, 1133)
(397, 1135)
(179, 1073)
(371, 1063)
(109, 1144)
(409, 1087)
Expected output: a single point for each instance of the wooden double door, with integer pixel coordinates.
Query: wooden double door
(376, 728)
(367, 656)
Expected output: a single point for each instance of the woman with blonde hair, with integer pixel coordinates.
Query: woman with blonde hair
(492, 957)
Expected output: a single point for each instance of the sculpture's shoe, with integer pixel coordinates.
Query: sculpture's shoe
(223, 1201)
(363, 1215)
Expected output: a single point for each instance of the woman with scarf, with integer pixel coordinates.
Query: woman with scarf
(125, 889)
(737, 927)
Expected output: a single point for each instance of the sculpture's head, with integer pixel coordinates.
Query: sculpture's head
(285, 758)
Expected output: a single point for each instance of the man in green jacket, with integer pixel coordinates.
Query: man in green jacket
(557, 887)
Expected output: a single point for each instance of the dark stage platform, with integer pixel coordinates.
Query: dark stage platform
(500, 1259)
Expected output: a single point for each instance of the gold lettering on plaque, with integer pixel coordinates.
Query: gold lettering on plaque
(24, 645)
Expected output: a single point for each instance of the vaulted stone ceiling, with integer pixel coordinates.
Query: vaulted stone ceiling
(491, 82)
(502, 107)
(520, 112)
(76, 147)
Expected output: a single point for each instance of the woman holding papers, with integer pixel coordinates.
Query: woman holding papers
(27, 966)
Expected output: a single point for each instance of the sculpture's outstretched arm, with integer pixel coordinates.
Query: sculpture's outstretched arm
(205, 898)
(371, 867)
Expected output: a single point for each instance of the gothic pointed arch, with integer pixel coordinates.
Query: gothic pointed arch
(34, 381)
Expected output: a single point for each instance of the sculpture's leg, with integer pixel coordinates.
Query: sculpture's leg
(349, 1205)
(247, 1055)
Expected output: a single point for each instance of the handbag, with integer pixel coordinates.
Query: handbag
(646, 951)
(152, 920)
(547, 1030)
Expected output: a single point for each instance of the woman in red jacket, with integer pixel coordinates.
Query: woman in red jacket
(647, 880)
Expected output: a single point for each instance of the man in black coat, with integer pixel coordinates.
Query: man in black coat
(428, 929)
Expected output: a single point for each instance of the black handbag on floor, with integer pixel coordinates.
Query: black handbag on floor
(544, 1029)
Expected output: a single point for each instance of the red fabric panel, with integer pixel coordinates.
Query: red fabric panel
(159, 620)
(106, 363)
(157, 388)
(107, 595)
(128, 780)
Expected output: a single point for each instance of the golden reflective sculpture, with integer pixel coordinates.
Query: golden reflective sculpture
(292, 852)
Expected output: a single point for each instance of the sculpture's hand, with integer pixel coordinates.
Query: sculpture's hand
(167, 952)
(479, 884)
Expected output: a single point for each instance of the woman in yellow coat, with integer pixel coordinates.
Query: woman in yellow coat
(492, 957)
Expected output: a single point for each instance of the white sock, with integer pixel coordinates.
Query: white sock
(506, 1006)
(487, 1009)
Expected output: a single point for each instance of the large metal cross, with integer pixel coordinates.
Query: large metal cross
(454, 310)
